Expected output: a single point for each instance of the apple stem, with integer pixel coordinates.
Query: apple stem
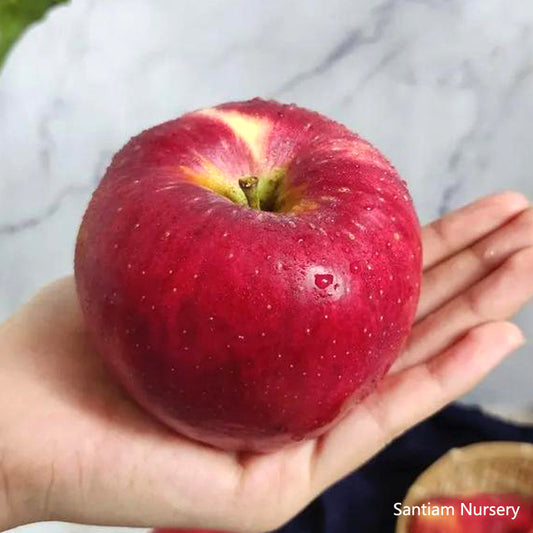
(248, 186)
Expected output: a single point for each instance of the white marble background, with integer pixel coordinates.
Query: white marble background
(443, 87)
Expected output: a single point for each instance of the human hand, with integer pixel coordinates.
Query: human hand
(73, 447)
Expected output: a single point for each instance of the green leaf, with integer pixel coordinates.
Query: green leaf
(16, 16)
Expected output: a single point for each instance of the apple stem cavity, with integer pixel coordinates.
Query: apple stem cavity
(249, 187)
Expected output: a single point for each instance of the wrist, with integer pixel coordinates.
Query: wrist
(22, 476)
(23, 491)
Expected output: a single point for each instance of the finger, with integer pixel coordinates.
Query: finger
(406, 398)
(450, 234)
(497, 297)
(449, 278)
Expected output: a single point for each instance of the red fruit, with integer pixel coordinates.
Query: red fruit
(249, 328)
(479, 513)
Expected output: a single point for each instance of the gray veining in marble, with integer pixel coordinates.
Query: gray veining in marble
(444, 88)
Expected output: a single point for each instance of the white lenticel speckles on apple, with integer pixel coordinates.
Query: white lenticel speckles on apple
(200, 196)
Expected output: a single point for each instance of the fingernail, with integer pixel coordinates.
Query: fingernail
(517, 340)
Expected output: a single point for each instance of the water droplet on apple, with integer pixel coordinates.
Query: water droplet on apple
(323, 281)
(354, 267)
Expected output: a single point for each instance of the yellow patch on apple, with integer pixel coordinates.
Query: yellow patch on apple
(251, 130)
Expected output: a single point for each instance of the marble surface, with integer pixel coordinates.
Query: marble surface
(444, 88)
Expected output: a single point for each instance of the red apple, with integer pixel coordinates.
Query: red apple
(249, 271)
(477, 513)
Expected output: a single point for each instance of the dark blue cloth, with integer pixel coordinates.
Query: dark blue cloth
(363, 502)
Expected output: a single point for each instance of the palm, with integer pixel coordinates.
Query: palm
(98, 451)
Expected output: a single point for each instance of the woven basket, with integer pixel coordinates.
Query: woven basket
(493, 467)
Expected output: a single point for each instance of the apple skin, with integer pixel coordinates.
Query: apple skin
(242, 328)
